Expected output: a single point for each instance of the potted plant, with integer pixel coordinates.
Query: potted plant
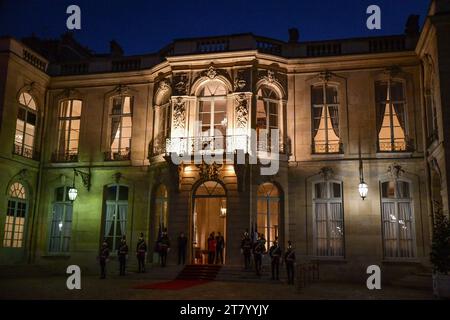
(440, 255)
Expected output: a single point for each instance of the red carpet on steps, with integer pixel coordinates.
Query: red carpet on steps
(173, 284)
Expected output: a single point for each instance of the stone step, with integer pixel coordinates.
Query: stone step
(422, 281)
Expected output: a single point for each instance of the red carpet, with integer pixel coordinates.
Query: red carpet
(173, 284)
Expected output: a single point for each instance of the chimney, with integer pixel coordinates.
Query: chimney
(412, 25)
(293, 35)
(115, 48)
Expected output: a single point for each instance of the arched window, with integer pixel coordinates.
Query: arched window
(116, 203)
(61, 223)
(161, 209)
(162, 123)
(391, 115)
(397, 219)
(268, 211)
(69, 130)
(267, 116)
(328, 219)
(212, 115)
(121, 128)
(26, 123)
(325, 110)
(15, 216)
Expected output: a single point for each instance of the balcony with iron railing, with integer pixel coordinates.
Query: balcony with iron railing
(25, 151)
(117, 155)
(69, 156)
(222, 144)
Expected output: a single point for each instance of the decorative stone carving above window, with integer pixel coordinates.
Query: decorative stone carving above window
(326, 173)
(395, 171)
(179, 114)
(164, 85)
(241, 111)
(211, 72)
(325, 76)
(392, 71)
(122, 90)
(241, 79)
(209, 171)
(181, 84)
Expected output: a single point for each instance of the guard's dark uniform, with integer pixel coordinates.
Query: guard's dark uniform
(102, 257)
(141, 250)
(246, 246)
(164, 245)
(289, 259)
(275, 255)
(122, 253)
(258, 250)
(182, 244)
(220, 245)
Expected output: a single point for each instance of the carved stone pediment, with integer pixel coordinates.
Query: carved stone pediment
(181, 84)
(327, 173)
(241, 80)
(179, 113)
(164, 84)
(209, 171)
(241, 111)
(395, 171)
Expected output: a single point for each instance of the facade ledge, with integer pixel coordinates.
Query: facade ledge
(26, 161)
(327, 156)
(394, 155)
(401, 261)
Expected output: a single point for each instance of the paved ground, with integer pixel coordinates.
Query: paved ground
(36, 286)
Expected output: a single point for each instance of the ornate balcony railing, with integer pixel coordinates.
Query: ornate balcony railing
(327, 148)
(25, 151)
(117, 155)
(224, 144)
(70, 156)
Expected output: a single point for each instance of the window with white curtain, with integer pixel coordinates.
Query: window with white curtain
(15, 216)
(121, 128)
(328, 219)
(397, 218)
(26, 122)
(115, 225)
(391, 115)
(69, 130)
(267, 117)
(61, 224)
(325, 110)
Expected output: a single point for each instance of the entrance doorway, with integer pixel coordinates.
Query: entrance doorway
(209, 216)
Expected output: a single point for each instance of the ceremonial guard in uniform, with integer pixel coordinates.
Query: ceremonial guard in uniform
(246, 247)
(258, 250)
(141, 250)
(275, 255)
(102, 257)
(289, 259)
(122, 253)
(220, 245)
(164, 247)
(182, 245)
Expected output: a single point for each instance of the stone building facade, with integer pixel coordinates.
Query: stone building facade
(131, 135)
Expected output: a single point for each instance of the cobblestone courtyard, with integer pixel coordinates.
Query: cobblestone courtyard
(36, 286)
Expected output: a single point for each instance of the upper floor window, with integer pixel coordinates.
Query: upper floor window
(328, 219)
(212, 115)
(121, 128)
(267, 116)
(26, 122)
(325, 110)
(397, 219)
(69, 130)
(15, 216)
(391, 117)
(61, 223)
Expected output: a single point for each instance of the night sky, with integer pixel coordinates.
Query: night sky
(147, 26)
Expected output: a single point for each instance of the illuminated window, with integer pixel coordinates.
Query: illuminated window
(328, 219)
(69, 130)
(268, 212)
(61, 224)
(25, 126)
(391, 120)
(15, 216)
(398, 221)
(115, 225)
(325, 110)
(121, 128)
(161, 209)
(212, 115)
(267, 116)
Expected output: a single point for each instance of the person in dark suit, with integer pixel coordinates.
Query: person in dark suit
(182, 245)
(220, 245)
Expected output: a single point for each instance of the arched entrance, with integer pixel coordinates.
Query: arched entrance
(209, 215)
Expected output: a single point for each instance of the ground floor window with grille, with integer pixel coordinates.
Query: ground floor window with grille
(397, 219)
(328, 219)
(61, 224)
(15, 216)
(115, 225)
